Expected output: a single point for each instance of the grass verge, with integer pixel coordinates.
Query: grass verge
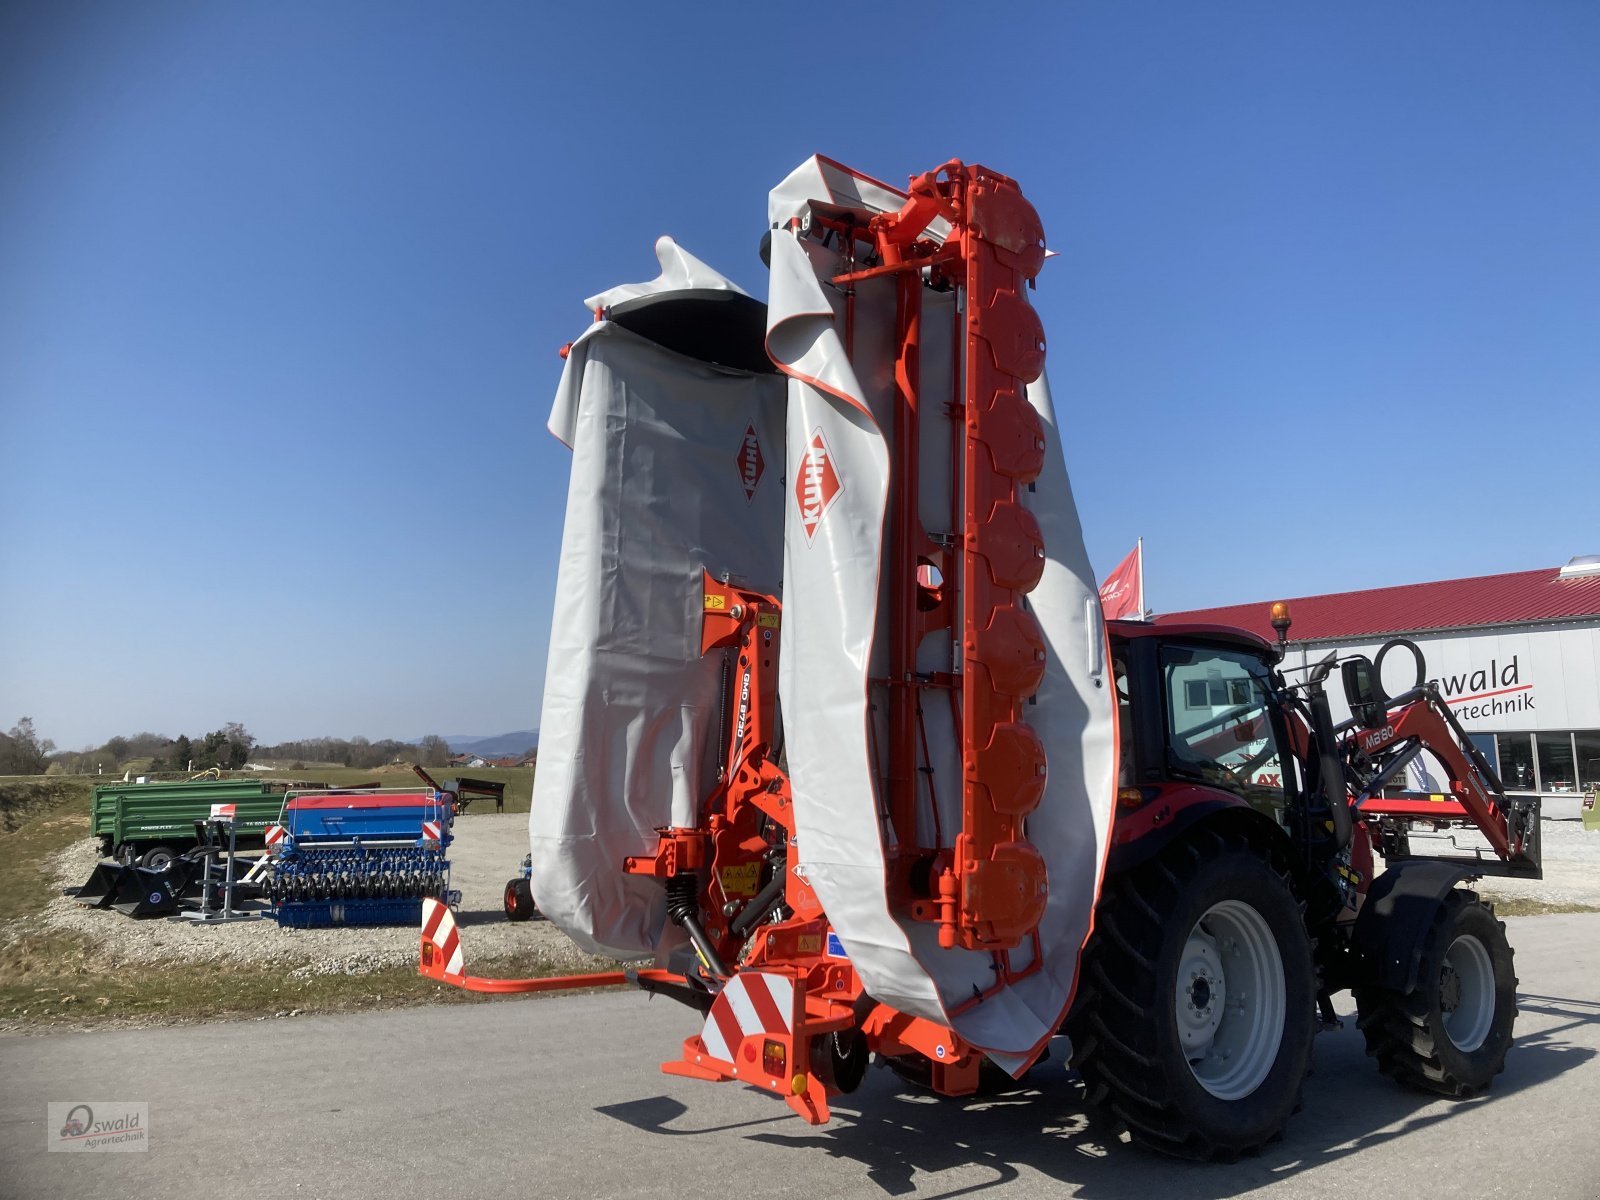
(24, 797)
(26, 879)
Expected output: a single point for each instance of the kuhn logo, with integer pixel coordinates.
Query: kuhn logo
(751, 462)
(817, 485)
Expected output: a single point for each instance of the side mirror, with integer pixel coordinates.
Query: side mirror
(1363, 693)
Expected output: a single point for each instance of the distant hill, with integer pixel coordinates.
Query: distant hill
(497, 745)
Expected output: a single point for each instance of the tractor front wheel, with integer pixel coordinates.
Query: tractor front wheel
(1449, 1034)
(1194, 1022)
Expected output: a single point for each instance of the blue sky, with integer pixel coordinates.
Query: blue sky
(281, 288)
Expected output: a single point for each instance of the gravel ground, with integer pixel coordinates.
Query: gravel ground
(1571, 858)
(487, 851)
(1571, 868)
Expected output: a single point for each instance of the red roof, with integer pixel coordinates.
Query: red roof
(1514, 599)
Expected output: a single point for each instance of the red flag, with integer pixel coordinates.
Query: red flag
(1122, 594)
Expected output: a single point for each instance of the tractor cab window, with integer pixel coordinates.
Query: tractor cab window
(1119, 676)
(1219, 722)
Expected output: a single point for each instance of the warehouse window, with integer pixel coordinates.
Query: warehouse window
(1215, 693)
(1555, 762)
(1516, 762)
(1586, 743)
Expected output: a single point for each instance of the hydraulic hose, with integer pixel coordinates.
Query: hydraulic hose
(764, 902)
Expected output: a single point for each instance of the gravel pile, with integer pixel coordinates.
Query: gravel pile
(487, 851)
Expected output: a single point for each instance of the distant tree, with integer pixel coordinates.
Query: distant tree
(14, 760)
(23, 751)
(240, 742)
(147, 745)
(228, 747)
(117, 748)
(434, 751)
(180, 754)
(211, 750)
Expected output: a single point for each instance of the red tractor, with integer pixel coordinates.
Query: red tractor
(1241, 893)
(984, 817)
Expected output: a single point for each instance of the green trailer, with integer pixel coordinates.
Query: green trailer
(154, 822)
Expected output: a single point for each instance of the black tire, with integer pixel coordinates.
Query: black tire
(1414, 1035)
(1125, 1026)
(519, 900)
(158, 858)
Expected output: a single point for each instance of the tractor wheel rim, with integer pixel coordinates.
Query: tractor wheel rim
(1466, 989)
(1230, 1000)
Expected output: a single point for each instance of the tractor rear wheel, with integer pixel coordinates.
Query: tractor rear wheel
(1450, 1033)
(1194, 1022)
(519, 900)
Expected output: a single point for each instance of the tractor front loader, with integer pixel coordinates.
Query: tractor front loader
(834, 729)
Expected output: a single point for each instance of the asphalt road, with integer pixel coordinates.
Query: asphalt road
(560, 1097)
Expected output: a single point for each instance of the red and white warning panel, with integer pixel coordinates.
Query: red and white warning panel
(223, 812)
(431, 832)
(754, 1004)
(441, 941)
(274, 836)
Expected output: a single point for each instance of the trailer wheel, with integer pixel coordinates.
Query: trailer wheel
(1450, 1033)
(519, 900)
(1194, 1022)
(158, 858)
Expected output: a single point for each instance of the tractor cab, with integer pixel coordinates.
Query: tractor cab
(1201, 728)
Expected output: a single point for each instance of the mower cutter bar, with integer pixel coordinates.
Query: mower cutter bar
(547, 983)
(441, 959)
